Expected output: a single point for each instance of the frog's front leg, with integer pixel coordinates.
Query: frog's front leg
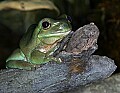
(49, 55)
(51, 58)
(17, 60)
(38, 57)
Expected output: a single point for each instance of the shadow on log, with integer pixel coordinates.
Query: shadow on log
(79, 67)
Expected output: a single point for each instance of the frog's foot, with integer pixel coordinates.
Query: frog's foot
(57, 60)
(20, 65)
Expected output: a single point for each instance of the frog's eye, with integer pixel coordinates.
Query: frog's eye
(46, 25)
(69, 19)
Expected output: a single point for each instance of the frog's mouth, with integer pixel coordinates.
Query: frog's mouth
(56, 34)
(59, 33)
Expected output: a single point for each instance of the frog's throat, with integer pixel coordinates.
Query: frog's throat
(46, 47)
(54, 34)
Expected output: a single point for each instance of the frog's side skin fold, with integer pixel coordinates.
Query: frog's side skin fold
(39, 43)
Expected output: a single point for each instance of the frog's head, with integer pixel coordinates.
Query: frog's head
(51, 30)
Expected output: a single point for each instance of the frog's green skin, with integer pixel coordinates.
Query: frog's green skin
(38, 44)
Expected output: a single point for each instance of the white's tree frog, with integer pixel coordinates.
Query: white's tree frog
(39, 43)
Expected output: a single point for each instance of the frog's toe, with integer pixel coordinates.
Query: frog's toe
(60, 60)
(36, 66)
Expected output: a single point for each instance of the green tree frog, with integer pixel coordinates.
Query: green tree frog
(39, 43)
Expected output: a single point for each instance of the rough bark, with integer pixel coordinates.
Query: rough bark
(109, 85)
(79, 67)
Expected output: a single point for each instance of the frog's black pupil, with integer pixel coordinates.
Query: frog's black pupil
(45, 24)
(69, 18)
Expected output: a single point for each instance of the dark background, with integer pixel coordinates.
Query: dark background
(104, 13)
